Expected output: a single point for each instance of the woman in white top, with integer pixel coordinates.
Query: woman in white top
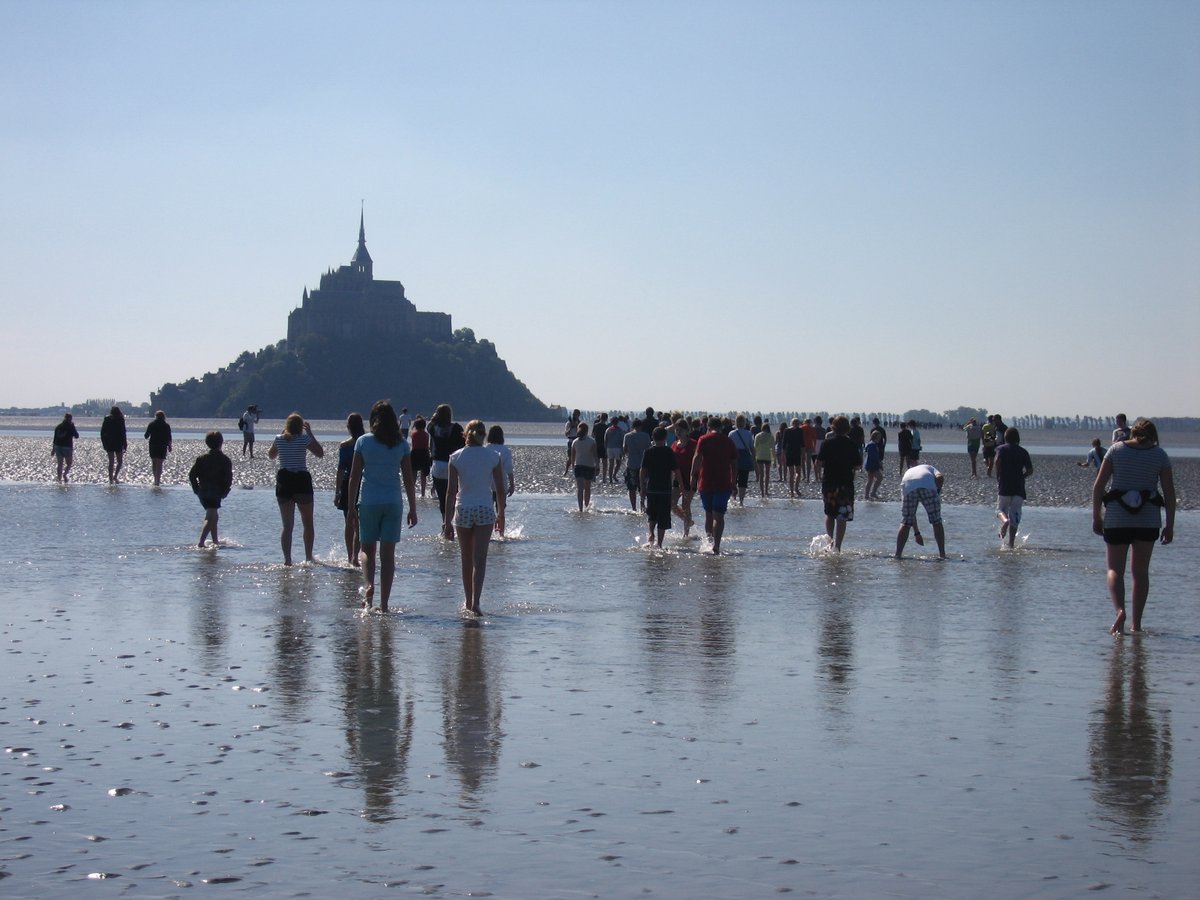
(293, 483)
(475, 475)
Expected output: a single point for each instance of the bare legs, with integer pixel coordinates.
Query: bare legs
(352, 547)
(210, 527)
(306, 521)
(1009, 513)
(116, 459)
(156, 466)
(683, 508)
(939, 534)
(64, 466)
(473, 546)
(836, 529)
(874, 480)
(583, 492)
(1116, 555)
(714, 527)
(287, 512)
(764, 477)
(387, 573)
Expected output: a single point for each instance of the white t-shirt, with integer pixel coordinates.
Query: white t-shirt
(506, 463)
(916, 477)
(474, 466)
(249, 419)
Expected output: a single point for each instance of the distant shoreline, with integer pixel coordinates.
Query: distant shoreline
(938, 440)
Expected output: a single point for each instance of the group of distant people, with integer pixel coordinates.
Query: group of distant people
(667, 462)
(714, 456)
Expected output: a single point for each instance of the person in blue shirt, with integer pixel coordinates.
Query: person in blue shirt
(381, 460)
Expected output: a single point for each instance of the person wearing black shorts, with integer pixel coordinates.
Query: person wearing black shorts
(293, 482)
(657, 476)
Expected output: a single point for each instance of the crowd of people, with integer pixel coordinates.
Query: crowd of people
(667, 461)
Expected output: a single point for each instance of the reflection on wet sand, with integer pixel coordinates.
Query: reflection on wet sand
(471, 712)
(835, 648)
(209, 621)
(1130, 746)
(697, 643)
(293, 648)
(379, 724)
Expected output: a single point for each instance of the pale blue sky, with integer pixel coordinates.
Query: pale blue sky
(800, 205)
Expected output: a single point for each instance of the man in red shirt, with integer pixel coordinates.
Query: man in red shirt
(714, 471)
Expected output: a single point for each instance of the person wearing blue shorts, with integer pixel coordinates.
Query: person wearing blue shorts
(714, 470)
(381, 460)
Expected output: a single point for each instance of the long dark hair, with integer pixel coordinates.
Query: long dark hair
(384, 424)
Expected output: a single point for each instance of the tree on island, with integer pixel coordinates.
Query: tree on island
(327, 377)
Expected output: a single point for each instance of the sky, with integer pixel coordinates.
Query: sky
(845, 206)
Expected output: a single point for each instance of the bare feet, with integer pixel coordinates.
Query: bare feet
(369, 597)
(1118, 626)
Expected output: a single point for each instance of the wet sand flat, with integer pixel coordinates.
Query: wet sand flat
(624, 722)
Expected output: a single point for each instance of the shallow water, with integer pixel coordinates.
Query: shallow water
(624, 722)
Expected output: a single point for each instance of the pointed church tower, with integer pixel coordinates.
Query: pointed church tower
(361, 261)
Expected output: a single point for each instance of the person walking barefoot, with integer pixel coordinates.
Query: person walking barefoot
(293, 482)
(1128, 515)
(211, 477)
(475, 475)
(380, 475)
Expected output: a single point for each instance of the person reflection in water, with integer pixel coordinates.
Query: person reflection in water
(471, 714)
(379, 721)
(1130, 747)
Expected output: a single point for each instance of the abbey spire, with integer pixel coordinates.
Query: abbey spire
(361, 261)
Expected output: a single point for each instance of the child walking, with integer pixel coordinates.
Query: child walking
(212, 479)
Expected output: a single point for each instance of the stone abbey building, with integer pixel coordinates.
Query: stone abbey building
(351, 305)
(352, 341)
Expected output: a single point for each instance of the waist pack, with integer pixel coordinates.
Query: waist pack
(1133, 501)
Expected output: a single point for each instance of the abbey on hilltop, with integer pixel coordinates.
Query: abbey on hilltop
(353, 340)
(351, 304)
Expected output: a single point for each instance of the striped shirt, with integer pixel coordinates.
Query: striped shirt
(293, 452)
(1135, 469)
